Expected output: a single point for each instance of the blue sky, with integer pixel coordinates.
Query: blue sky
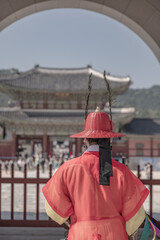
(77, 38)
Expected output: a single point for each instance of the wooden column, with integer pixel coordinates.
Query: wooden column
(79, 105)
(45, 105)
(78, 146)
(45, 145)
(32, 145)
(50, 147)
(36, 104)
(21, 104)
(70, 148)
(14, 144)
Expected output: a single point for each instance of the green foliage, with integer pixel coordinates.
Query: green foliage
(4, 100)
(8, 72)
(145, 101)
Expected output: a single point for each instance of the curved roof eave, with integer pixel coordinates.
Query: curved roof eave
(61, 80)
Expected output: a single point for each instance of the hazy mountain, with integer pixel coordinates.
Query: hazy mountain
(145, 101)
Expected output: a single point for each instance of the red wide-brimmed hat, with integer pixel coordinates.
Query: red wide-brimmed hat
(98, 125)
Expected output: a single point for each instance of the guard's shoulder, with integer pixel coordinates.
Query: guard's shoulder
(71, 162)
(119, 166)
(65, 166)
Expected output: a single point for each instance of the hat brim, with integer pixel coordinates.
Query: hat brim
(97, 134)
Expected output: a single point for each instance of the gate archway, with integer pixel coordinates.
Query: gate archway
(143, 17)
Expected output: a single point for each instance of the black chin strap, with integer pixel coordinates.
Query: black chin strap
(105, 161)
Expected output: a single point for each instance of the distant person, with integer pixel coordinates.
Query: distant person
(61, 161)
(43, 164)
(19, 164)
(6, 166)
(147, 169)
(55, 163)
(28, 161)
(31, 161)
(50, 154)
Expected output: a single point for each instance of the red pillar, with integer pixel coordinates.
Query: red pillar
(78, 146)
(21, 104)
(14, 144)
(50, 147)
(32, 145)
(45, 105)
(79, 105)
(36, 104)
(70, 148)
(45, 145)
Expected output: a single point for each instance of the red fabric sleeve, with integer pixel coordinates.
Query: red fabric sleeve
(134, 195)
(56, 194)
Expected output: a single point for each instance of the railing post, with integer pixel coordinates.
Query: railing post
(50, 175)
(151, 192)
(37, 197)
(50, 170)
(0, 188)
(25, 192)
(138, 172)
(12, 191)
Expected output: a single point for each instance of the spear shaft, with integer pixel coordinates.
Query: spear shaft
(109, 94)
(88, 95)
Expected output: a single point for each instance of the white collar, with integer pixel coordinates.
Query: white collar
(93, 148)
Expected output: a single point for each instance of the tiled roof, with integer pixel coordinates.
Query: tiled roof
(51, 79)
(142, 126)
(13, 113)
(56, 117)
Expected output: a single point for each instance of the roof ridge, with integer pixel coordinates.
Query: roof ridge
(146, 118)
(60, 68)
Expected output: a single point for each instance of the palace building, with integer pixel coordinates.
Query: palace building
(48, 105)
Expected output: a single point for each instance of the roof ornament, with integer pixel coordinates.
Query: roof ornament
(89, 66)
(36, 66)
(98, 109)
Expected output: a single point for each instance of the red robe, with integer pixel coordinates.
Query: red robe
(97, 212)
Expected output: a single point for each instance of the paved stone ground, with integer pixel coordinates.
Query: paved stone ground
(39, 233)
(16, 233)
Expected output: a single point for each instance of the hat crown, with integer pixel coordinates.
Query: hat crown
(98, 121)
(98, 125)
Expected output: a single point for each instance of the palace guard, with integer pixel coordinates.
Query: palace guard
(102, 197)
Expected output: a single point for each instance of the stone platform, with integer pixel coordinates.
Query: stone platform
(24, 233)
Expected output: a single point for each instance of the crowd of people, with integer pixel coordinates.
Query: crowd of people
(32, 161)
(56, 160)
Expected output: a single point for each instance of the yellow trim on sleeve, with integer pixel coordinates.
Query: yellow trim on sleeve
(134, 223)
(52, 214)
